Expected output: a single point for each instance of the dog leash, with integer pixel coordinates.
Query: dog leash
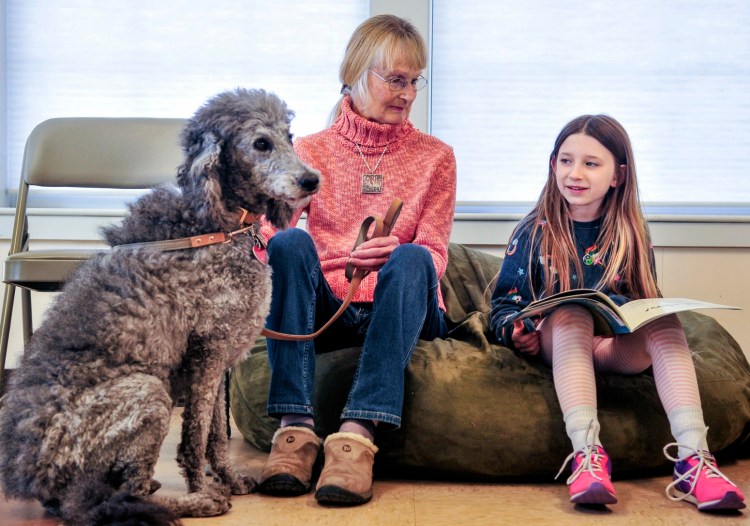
(247, 226)
(383, 227)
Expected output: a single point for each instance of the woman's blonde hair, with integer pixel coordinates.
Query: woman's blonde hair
(624, 235)
(378, 42)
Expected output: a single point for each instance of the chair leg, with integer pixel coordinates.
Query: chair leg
(226, 405)
(28, 324)
(10, 292)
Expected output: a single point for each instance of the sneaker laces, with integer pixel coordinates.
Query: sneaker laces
(592, 459)
(591, 462)
(706, 462)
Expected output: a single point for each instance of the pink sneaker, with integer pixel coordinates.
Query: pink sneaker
(590, 482)
(697, 480)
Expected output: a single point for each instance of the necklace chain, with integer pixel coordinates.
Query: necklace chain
(371, 170)
(591, 253)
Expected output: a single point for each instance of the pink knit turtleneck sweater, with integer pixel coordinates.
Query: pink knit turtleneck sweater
(417, 168)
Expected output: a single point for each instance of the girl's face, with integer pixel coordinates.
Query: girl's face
(585, 171)
(384, 105)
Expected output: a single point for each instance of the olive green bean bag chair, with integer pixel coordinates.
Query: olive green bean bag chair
(477, 410)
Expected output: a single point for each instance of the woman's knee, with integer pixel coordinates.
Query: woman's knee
(290, 238)
(289, 245)
(408, 264)
(409, 257)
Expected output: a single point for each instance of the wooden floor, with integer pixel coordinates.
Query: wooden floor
(410, 503)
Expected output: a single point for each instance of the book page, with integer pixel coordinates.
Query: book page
(638, 312)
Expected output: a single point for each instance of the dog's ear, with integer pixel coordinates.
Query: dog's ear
(199, 177)
(278, 213)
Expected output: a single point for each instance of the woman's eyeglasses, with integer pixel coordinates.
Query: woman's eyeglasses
(399, 83)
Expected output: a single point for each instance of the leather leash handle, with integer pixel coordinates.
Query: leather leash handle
(383, 227)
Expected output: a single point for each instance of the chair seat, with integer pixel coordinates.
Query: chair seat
(44, 270)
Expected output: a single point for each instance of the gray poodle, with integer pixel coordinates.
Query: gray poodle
(135, 327)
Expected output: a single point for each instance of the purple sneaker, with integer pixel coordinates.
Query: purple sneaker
(697, 480)
(590, 482)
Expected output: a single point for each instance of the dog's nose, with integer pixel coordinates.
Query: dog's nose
(309, 183)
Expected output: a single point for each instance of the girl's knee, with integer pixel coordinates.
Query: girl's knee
(668, 322)
(568, 313)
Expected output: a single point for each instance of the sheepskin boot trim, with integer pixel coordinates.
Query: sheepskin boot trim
(288, 469)
(346, 478)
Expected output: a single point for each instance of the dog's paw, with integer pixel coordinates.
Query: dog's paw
(242, 484)
(220, 488)
(234, 482)
(204, 504)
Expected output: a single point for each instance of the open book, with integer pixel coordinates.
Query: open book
(608, 317)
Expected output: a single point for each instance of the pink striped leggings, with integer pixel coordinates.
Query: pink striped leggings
(568, 344)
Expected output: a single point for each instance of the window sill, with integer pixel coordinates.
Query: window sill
(709, 225)
(475, 224)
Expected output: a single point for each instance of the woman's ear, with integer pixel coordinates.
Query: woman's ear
(552, 163)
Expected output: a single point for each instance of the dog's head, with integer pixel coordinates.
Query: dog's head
(239, 154)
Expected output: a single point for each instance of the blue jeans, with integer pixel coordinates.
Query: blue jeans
(405, 308)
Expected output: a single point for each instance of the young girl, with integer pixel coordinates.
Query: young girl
(588, 231)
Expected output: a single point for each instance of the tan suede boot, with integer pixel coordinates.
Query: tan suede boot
(288, 469)
(346, 478)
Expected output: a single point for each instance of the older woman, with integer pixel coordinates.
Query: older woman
(369, 155)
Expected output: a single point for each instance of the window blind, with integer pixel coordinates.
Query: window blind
(507, 76)
(164, 59)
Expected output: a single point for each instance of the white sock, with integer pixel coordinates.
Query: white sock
(688, 429)
(582, 426)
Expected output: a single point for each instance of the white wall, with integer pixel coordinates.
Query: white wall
(715, 271)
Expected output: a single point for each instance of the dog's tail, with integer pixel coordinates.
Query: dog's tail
(92, 503)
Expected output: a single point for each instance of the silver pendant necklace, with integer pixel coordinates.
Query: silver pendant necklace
(372, 183)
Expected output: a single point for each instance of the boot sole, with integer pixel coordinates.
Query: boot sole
(340, 497)
(283, 485)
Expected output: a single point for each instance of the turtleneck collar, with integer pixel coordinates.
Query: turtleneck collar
(368, 133)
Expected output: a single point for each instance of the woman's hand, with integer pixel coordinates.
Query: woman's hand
(525, 342)
(372, 254)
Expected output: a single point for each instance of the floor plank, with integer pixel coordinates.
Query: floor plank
(427, 503)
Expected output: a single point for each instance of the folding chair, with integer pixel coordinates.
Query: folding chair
(125, 153)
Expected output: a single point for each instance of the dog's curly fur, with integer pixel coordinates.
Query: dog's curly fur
(89, 407)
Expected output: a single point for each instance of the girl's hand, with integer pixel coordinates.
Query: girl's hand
(525, 342)
(372, 254)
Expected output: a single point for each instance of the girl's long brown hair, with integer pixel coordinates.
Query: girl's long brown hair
(624, 235)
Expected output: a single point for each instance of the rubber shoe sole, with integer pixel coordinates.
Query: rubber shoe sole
(595, 494)
(283, 485)
(730, 501)
(338, 496)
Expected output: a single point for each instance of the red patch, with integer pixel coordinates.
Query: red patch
(260, 254)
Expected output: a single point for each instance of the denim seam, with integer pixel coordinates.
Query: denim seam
(314, 278)
(431, 291)
(380, 416)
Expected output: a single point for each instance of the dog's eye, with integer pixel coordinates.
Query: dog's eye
(291, 138)
(262, 145)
